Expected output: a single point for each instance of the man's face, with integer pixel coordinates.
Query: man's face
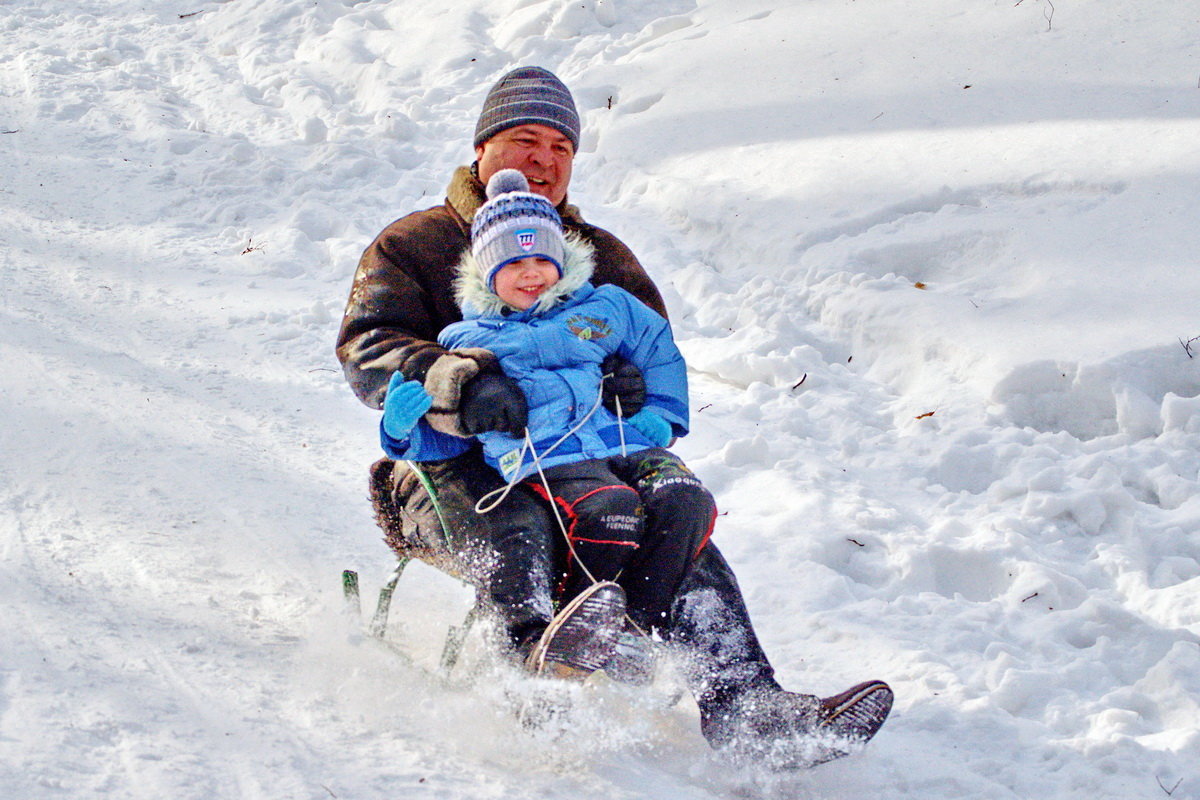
(539, 152)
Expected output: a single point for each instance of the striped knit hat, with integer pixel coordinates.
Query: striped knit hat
(513, 224)
(528, 96)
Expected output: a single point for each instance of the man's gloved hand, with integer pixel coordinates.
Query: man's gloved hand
(623, 380)
(404, 405)
(492, 402)
(652, 426)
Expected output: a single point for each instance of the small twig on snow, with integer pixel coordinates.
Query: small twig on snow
(1049, 15)
(1187, 346)
(1170, 791)
(1025, 599)
(14, 130)
(800, 382)
(193, 14)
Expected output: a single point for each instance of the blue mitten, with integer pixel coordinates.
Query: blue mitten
(405, 403)
(652, 426)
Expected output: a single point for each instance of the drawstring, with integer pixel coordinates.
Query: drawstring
(620, 417)
(483, 506)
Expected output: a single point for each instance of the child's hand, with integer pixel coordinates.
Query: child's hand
(405, 403)
(652, 426)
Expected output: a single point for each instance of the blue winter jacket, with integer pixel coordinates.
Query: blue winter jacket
(554, 351)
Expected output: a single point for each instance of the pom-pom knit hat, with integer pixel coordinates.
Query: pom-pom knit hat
(528, 96)
(513, 224)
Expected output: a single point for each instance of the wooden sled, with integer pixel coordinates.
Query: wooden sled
(389, 519)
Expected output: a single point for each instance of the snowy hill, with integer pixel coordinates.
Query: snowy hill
(934, 269)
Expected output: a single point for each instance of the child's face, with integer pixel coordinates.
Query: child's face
(520, 283)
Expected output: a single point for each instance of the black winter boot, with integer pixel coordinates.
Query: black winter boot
(582, 636)
(784, 730)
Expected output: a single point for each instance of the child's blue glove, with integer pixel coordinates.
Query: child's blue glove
(406, 402)
(652, 426)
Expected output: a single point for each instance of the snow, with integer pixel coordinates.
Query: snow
(934, 271)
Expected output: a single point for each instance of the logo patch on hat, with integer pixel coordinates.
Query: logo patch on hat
(526, 238)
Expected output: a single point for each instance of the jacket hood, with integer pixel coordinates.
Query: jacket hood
(477, 300)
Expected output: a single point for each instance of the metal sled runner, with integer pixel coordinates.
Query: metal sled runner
(390, 521)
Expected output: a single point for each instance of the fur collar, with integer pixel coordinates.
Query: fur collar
(466, 194)
(476, 299)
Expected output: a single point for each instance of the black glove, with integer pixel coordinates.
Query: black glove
(492, 402)
(625, 382)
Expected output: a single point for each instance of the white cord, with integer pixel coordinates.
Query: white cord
(620, 419)
(482, 508)
(528, 446)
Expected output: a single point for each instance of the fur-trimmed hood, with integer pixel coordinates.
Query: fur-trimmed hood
(477, 300)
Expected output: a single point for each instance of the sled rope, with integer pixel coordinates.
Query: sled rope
(485, 503)
(484, 506)
(620, 416)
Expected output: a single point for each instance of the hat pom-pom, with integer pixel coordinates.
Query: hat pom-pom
(505, 181)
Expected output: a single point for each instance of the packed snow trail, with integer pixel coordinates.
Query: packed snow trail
(982, 489)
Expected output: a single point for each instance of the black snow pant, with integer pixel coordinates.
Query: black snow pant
(516, 553)
(639, 520)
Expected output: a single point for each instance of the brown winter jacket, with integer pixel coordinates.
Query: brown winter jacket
(403, 292)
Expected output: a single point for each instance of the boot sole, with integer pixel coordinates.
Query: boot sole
(608, 617)
(859, 712)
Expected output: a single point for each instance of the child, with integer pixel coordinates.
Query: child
(632, 512)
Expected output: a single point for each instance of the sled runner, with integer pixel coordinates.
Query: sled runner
(387, 516)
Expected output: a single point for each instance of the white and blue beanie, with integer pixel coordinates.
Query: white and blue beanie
(513, 224)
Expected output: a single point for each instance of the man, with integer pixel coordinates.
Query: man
(401, 299)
